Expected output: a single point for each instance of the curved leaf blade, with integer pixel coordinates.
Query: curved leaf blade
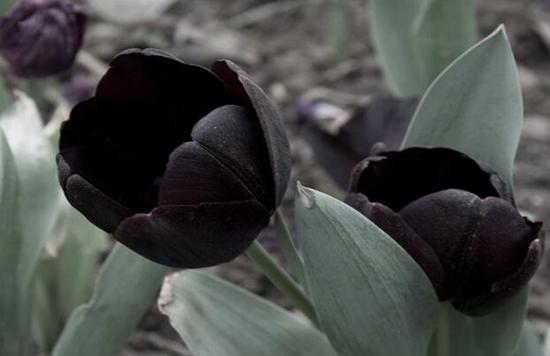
(370, 296)
(416, 39)
(216, 318)
(126, 287)
(391, 22)
(39, 190)
(475, 106)
(442, 31)
(14, 294)
(495, 334)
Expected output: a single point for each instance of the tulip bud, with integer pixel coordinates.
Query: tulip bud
(454, 217)
(41, 37)
(181, 164)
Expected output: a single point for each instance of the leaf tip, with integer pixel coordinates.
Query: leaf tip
(305, 196)
(166, 295)
(500, 31)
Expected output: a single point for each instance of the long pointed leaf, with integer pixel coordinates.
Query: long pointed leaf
(66, 273)
(442, 31)
(475, 106)
(14, 303)
(216, 318)
(391, 23)
(127, 285)
(39, 190)
(370, 296)
(30, 218)
(416, 39)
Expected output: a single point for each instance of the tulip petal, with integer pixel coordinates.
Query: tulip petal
(505, 288)
(194, 176)
(400, 232)
(194, 236)
(183, 93)
(397, 178)
(122, 176)
(479, 241)
(254, 99)
(97, 207)
(236, 139)
(119, 150)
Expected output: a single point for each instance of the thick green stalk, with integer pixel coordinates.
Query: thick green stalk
(281, 279)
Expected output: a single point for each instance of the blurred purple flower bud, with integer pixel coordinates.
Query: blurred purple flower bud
(340, 139)
(80, 87)
(454, 217)
(41, 37)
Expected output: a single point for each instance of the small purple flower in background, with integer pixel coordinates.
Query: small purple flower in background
(340, 138)
(453, 215)
(39, 38)
(181, 164)
(78, 88)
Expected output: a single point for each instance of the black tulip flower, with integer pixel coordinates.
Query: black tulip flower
(454, 216)
(181, 164)
(41, 37)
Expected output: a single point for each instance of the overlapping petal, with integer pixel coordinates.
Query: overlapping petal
(254, 99)
(440, 200)
(175, 161)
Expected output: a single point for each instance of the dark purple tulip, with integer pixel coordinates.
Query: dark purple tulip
(181, 164)
(454, 217)
(41, 37)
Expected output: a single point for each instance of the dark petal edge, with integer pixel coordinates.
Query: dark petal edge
(254, 99)
(194, 236)
(398, 229)
(494, 182)
(505, 288)
(97, 207)
(236, 141)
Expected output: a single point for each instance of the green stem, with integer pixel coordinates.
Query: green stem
(289, 250)
(91, 63)
(442, 333)
(281, 279)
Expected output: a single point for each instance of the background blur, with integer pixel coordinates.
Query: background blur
(303, 50)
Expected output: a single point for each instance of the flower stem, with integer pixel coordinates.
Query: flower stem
(442, 333)
(289, 250)
(94, 65)
(281, 279)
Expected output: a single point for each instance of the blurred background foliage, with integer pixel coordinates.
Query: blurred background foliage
(343, 54)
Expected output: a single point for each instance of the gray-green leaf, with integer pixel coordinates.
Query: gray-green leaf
(38, 190)
(370, 296)
(442, 31)
(475, 106)
(416, 39)
(127, 285)
(495, 334)
(216, 318)
(14, 294)
(66, 273)
(30, 194)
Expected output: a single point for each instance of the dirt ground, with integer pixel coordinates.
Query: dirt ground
(287, 47)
